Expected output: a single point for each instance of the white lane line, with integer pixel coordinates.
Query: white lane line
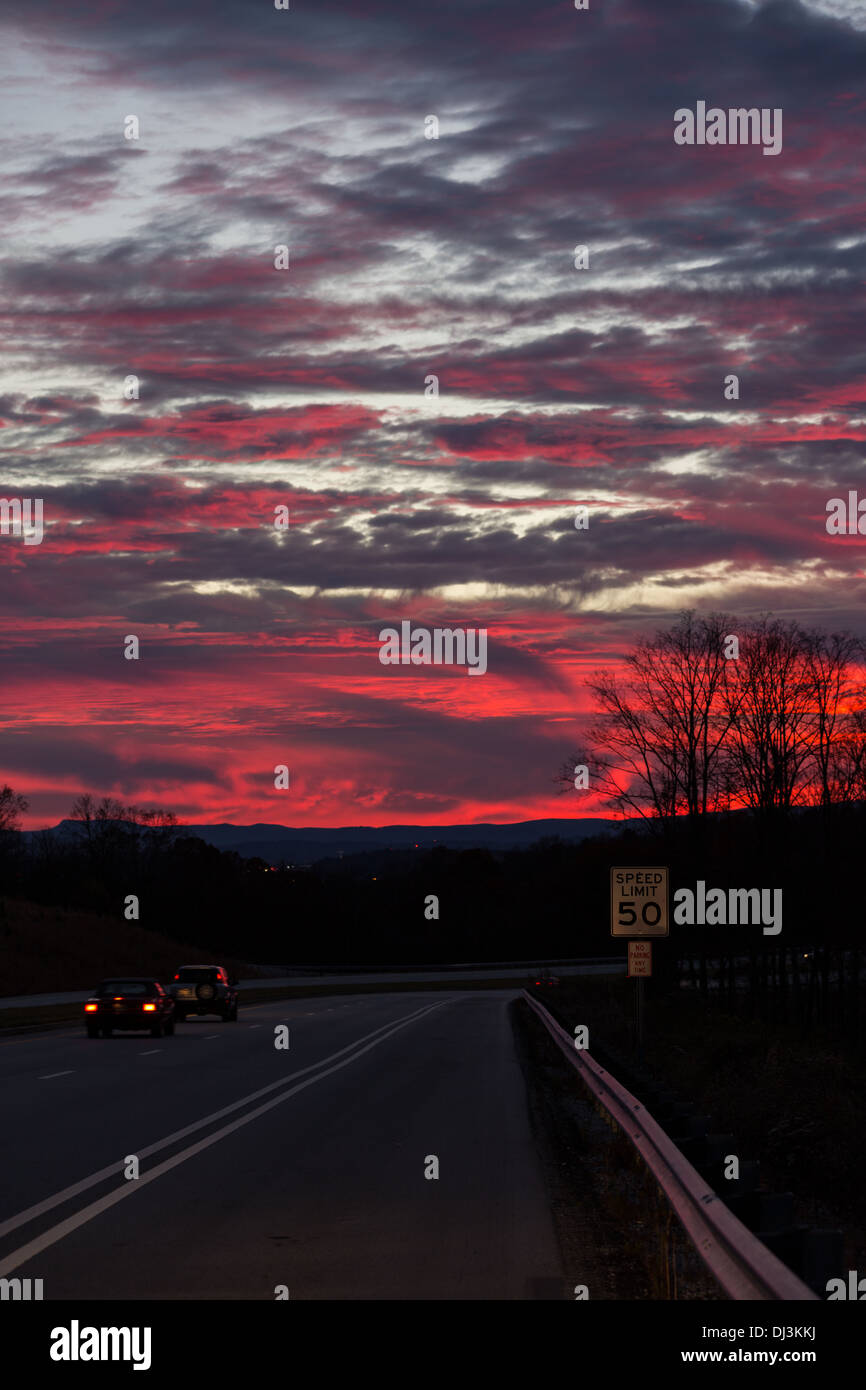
(50, 1076)
(152, 1053)
(81, 1218)
(208, 1036)
(254, 1025)
(39, 1208)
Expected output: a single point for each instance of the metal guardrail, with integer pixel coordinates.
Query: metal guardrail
(741, 1264)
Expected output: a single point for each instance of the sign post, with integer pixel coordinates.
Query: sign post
(639, 908)
(640, 965)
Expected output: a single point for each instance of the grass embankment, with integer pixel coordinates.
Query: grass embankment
(794, 1103)
(44, 950)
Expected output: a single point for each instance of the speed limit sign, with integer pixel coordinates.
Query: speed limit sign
(639, 902)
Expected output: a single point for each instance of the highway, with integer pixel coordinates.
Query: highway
(444, 975)
(261, 1167)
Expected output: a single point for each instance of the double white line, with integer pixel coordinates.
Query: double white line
(64, 1228)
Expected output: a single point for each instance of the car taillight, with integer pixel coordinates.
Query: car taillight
(148, 1008)
(90, 1008)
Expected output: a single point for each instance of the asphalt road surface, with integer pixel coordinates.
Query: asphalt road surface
(605, 965)
(261, 1167)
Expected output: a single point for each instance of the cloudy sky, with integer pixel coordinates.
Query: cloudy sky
(408, 257)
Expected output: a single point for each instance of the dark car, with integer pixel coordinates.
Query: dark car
(544, 979)
(204, 989)
(129, 1003)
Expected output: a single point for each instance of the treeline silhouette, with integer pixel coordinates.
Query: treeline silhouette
(749, 771)
(742, 744)
(718, 712)
(550, 901)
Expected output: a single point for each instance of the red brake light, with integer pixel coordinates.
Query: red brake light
(90, 1008)
(177, 977)
(149, 1008)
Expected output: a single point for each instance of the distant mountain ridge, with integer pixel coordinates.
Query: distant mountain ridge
(279, 844)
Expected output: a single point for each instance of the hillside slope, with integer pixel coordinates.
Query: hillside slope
(48, 948)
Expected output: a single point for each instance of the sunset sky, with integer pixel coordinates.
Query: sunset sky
(305, 387)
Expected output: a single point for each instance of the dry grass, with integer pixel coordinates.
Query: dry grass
(793, 1103)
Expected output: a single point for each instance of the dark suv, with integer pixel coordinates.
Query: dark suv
(204, 989)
